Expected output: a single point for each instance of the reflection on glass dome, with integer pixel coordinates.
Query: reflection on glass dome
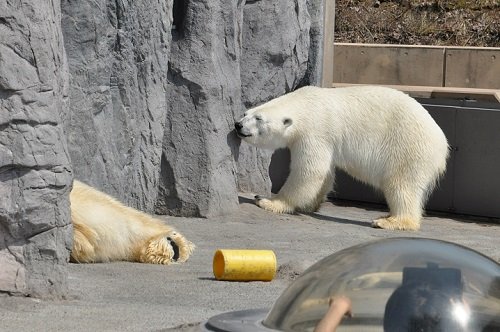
(399, 284)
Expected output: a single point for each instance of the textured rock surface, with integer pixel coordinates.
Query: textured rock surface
(138, 86)
(228, 56)
(117, 54)
(278, 54)
(147, 111)
(35, 174)
(318, 9)
(198, 169)
(275, 48)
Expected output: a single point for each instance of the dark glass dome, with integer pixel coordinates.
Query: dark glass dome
(453, 286)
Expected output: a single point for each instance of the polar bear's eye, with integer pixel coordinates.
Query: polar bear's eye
(258, 118)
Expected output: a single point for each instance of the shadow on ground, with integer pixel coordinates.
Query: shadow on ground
(316, 215)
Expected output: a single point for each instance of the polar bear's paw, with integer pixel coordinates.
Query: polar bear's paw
(274, 205)
(186, 247)
(166, 249)
(397, 223)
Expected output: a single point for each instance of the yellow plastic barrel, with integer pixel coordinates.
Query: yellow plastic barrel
(244, 265)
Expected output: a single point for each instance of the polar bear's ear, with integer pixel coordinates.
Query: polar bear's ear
(287, 122)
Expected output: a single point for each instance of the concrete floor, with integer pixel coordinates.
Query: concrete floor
(139, 297)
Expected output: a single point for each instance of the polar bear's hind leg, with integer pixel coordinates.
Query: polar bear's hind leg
(84, 241)
(405, 205)
(397, 223)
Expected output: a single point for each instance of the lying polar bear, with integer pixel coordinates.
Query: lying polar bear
(378, 135)
(105, 230)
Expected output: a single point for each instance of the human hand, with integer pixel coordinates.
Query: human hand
(339, 307)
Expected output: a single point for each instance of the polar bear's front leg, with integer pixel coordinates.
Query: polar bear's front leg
(274, 205)
(165, 249)
(310, 179)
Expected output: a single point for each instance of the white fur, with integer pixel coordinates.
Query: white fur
(378, 135)
(106, 230)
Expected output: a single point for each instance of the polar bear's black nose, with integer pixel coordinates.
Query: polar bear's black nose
(238, 125)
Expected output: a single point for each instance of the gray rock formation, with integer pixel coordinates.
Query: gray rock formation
(198, 171)
(35, 174)
(228, 56)
(276, 48)
(147, 99)
(118, 58)
(152, 108)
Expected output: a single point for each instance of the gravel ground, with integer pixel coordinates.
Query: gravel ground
(413, 22)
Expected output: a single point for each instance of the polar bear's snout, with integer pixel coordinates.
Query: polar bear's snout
(240, 130)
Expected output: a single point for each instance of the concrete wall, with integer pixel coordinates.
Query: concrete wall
(417, 65)
(472, 67)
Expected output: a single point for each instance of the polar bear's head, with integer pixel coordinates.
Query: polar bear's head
(264, 127)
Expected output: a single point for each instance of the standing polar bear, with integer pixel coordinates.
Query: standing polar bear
(105, 230)
(378, 135)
